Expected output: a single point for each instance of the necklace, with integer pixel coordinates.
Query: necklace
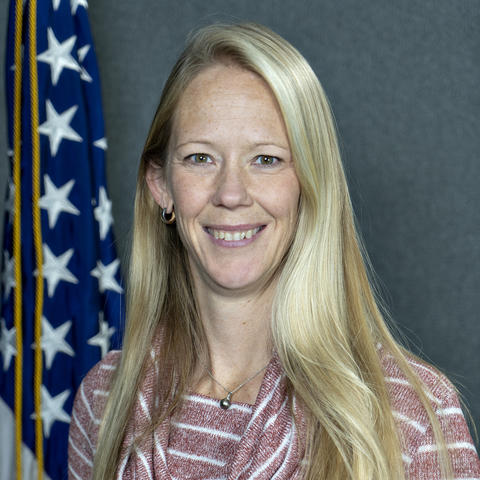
(227, 401)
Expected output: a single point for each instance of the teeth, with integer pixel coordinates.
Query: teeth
(233, 236)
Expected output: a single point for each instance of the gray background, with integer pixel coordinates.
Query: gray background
(403, 80)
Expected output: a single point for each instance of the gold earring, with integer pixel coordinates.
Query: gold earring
(167, 220)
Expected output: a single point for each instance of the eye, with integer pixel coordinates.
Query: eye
(199, 158)
(266, 160)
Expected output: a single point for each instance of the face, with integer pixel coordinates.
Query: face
(231, 180)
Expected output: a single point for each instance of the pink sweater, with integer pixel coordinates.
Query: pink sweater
(257, 441)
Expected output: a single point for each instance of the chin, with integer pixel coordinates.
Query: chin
(240, 281)
(235, 283)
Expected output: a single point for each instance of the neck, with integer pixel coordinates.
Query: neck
(239, 342)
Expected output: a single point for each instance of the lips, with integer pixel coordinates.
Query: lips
(236, 235)
(233, 233)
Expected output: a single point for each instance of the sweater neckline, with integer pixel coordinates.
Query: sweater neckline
(273, 369)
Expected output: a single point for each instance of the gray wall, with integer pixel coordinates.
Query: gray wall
(402, 77)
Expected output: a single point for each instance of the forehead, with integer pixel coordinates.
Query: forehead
(222, 77)
(228, 93)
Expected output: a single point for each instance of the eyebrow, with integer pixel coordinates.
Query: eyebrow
(203, 142)
(253, 145)
(270, 144)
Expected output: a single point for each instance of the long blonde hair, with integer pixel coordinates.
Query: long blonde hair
(326, 323)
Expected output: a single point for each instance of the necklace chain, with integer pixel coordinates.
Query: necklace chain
(226, 402)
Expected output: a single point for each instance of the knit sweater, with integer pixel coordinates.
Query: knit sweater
(258, 441)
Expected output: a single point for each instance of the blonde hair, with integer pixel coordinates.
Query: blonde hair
(326, 323)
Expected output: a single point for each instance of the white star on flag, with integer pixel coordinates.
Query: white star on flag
(52, 409)
(102, 338)
(8, 274)
(105, 275)
(78, 3)
(8, 339)
(101, 143)
(56, 4)
(55, 200)
(55, 269)
(53, 341)
(103, 213)
(84, 75)
(57, 127)
(9, 203)
(58, 55)
(82, 53)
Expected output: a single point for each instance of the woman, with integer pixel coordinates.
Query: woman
(255, 347)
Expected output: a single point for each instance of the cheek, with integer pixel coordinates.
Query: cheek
(188, 196)
(189, 199)
(282, 199)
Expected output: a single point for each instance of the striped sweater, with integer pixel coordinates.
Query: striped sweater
(259, 441)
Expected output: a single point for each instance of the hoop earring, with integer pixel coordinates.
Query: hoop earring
(167, 220)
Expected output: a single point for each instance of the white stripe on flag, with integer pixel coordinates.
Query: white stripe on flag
(7, 450)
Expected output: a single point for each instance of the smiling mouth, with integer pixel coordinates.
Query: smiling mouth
(235, 235)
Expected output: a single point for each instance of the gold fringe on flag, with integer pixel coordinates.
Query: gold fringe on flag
(37, 233)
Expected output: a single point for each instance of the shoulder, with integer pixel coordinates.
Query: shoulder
(91, 396)
(438, 388)
(413, 422)
(94, 389)
(88, 407)
(407, 406)
(101, 373)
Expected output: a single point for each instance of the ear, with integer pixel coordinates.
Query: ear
(157, 184)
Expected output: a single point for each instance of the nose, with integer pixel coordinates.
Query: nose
(231, 187)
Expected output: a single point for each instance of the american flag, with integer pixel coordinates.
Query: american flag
(57, 235)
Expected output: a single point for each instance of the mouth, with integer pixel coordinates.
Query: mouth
(235, 235)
